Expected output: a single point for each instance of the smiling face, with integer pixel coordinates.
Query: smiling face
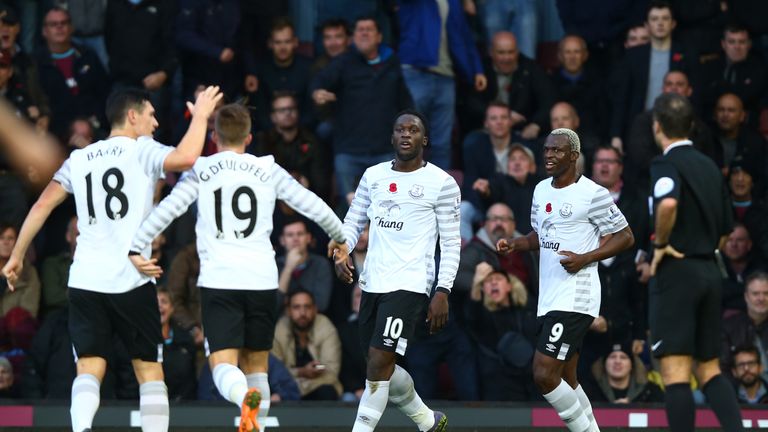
(558, 156)
(408, 137)
(618, 365)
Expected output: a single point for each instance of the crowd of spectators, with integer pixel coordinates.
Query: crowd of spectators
(323, 105)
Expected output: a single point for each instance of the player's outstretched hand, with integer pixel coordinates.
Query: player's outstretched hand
(505, 246)
(342, 262)
(660, 253)
(572, 262)
(437, 316)
(206, 101)
(145, 266)
(11, 271)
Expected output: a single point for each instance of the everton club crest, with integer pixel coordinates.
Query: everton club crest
(416, 192)
(566, 210)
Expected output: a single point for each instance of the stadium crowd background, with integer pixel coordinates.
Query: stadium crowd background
(323, 80)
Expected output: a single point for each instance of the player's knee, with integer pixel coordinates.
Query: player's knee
(545, 379)
(380, 366)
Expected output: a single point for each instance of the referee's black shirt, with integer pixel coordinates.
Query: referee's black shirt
(703, 205)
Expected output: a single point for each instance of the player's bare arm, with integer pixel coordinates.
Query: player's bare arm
(666, 216)
(52, 196)
(437, 315)
(526, 243)
(145, 266)
(617, 243)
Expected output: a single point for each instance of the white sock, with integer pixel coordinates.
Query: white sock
(402, 394)
(260, 381)
(231, 383)
(372, 406)
(85, 401)
(587, 407)
(153, 405)
(565, 401)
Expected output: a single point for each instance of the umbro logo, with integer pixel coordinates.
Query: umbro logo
(551, 348)
(389, 342)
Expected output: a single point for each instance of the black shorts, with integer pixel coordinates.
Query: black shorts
(562, 333)
(388, 321)
(684, 308)
(238, 319)
(94, 317)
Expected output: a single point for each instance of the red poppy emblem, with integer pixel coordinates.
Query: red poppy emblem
(548, 208)
(393, 187)
(677, 57)
(304, 147)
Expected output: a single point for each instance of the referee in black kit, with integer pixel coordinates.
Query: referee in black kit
(692, 217)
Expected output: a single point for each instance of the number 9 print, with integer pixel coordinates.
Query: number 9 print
(556, 332)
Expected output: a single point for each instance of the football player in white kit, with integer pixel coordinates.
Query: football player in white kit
(575, 225)
(113, 182)
(408, 202)
(235, 193)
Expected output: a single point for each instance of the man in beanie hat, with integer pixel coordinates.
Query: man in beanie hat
(621, 378)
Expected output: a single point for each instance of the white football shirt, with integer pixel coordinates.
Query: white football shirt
(572, 219)
(236, 196)
(406, 210)
(113, 183)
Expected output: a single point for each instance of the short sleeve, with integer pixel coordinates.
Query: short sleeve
(534, 213)
(665, 181)
(152, 154)
(64, 176)
(605, 214)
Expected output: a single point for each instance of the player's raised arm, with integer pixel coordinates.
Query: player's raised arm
(186, 153)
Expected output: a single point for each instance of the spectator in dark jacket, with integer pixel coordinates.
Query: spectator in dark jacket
(285, 70)
(501, 320)
(740, 262)
(736, 138)
(640, 146)
(208, 34)
(179, 352)
(294, 147)
(748, 207)
(142, 53)
(520, 83)
(366, 79)
(621, 378)
(739, 70)
(747, 327)
(638, 78)
(581, 85)
(71, 75)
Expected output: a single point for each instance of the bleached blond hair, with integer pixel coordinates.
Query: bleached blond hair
(573, 139)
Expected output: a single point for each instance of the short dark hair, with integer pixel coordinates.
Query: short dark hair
(674, 114)
(335, 23)
(279, 94)
(294, 292)
(367, 18)
(6, 225)
(281, 23)
(497, 104)
(746, 348)
(56, 9)
(120, 101)
(295, 219)
(617, 152)
(735, 27)
(659, 4)
(413, 112)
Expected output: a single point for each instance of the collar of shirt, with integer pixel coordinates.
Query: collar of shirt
(678, 144)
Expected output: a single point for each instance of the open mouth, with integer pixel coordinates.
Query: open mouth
(405, 145)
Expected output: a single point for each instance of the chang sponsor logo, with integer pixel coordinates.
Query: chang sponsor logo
(384, 223)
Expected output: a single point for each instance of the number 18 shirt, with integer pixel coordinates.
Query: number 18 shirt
(113, 183)
(572, 219)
